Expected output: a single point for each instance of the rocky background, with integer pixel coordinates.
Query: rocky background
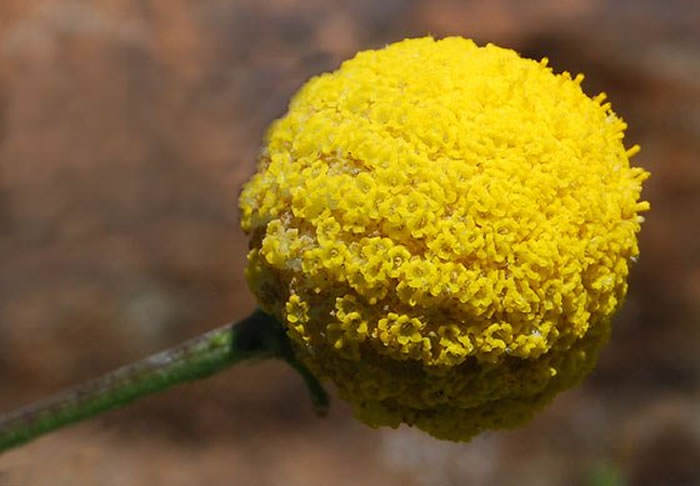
(126, 130)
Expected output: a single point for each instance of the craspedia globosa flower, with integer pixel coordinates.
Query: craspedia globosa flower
(446, 231)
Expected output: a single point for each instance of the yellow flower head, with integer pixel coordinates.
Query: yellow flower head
(446, 231)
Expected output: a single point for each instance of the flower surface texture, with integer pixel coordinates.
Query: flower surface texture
(446, 231)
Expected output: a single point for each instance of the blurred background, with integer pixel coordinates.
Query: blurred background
(126, 130)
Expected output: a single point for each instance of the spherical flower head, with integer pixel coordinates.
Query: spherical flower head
(446, 232)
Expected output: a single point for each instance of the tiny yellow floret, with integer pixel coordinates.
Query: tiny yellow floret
(446, 231)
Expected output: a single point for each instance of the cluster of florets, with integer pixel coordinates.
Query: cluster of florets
(445, 230)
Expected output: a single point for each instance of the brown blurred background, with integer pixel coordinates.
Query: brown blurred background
(126, 130)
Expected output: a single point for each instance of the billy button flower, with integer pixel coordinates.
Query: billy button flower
(485, 202)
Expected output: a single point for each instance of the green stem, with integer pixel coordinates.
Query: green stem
(257, 336)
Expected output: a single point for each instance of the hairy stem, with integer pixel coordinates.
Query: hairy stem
(257, 336)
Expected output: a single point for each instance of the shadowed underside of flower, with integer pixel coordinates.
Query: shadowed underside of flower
(445, 231)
